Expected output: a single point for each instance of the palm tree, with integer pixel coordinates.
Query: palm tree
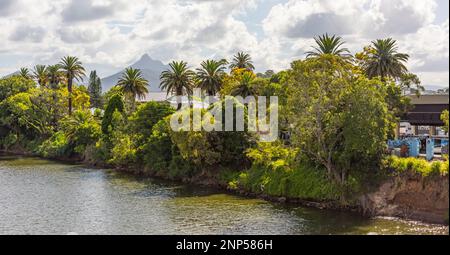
(178, 80)
(73, 69)
(385, 61)
(210, 76)
(54, 75)
(133, 85)
(244, 88)
(40, 74)
(328, 45)
(242, 60)
(24, 73)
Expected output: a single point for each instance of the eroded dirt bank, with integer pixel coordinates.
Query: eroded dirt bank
(412, 197)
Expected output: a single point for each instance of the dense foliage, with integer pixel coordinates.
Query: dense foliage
(338, 110)
(344, 121)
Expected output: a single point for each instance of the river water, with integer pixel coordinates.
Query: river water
(45, 197)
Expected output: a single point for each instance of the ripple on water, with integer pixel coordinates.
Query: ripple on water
(45, 197)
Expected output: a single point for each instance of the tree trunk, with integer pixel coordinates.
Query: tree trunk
(179, 99)
(69, 88)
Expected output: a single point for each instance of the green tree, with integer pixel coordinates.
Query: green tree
(331, 45)
(141, 125)
(411, 82)
(157, 151)
(55, 75)
(133, 85)
(24, 115)
(73, 69)
(244, 86)
(178, 80)
(40, 75)
(339, 119)
(115, 104)
(81, 130)
(146, 116)
(242, 60)
(267, 74)
(203, 149)
(444, 118)
(24, 73)
(384, 60)
(210, 76)
(13, 85)
(95, 90)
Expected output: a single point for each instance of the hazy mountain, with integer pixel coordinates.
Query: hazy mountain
(434, 87)
(151, 70)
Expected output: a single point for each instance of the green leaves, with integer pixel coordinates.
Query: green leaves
(338, 117)
(329, 45)
(95, 90)
(242, 60)
(179, 80)
(132, 84)
(114, 104)
(385, 61)
(73, 68)
(210, 76)
(444, 118)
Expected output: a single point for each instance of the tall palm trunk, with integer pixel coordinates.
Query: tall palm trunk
(69, 88)
(179, 99)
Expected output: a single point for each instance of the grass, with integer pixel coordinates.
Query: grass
(303, 181)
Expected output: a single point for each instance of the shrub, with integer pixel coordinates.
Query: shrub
(157, 151)
(203, 148)
(398, 165)
(272, 155)
(275, 172)
(303, 181)
(123, 153)
(146, 116)
(8, 141)
(54, 147)
(114, 104)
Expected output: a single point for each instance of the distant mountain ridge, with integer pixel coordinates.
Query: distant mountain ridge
(151, 70)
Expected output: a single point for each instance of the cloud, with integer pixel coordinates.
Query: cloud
(306, 18)
(111, 34)
(80, 35)
(6, 6)
(33, 34)
(88, 10)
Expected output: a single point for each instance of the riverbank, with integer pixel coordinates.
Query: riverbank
(407, 196)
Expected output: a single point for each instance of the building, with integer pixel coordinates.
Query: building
(425, 116)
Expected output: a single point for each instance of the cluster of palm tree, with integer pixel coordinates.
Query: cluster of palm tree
(383, 61)
(180, 80)
(68, 69)
(383, 58)
(51, 75)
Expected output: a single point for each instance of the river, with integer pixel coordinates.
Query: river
(45, 197)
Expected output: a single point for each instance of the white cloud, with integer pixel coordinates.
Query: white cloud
(111, 34)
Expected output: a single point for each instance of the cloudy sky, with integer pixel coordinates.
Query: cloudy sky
(108, 35)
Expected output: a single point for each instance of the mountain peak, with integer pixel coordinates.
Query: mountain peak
(146, 62)
(145, 57)
(150, 68)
